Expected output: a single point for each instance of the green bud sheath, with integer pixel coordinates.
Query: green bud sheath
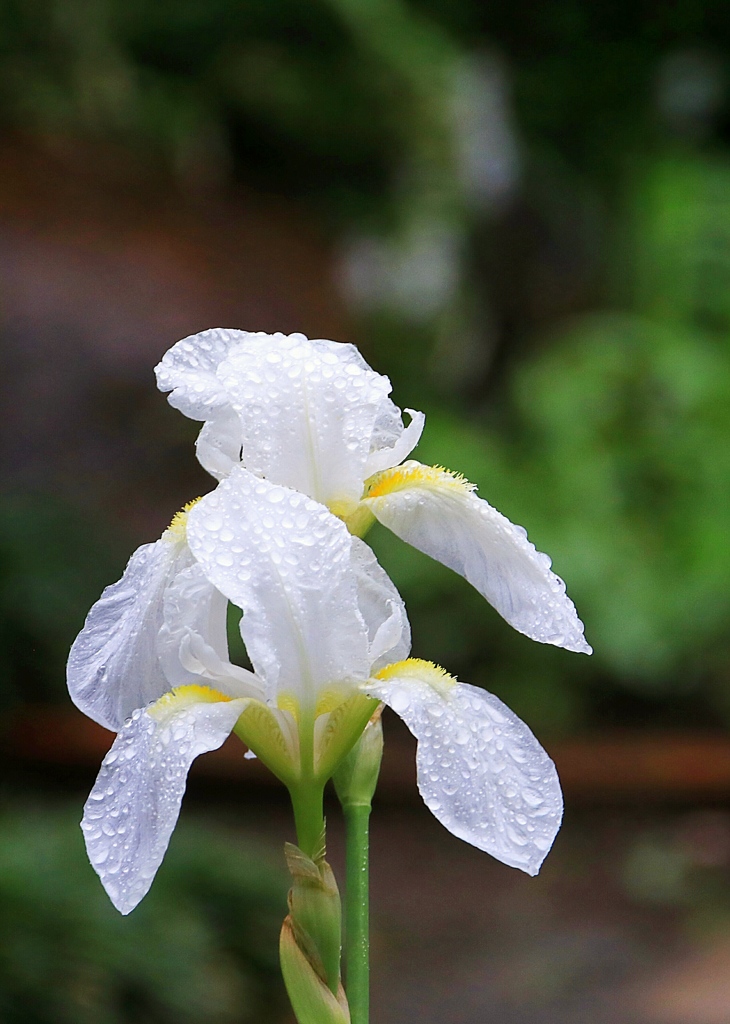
(311, 999)
(316, 914)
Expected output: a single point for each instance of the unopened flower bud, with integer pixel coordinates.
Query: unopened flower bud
(316, 913)
(311, 999)
(357, 776)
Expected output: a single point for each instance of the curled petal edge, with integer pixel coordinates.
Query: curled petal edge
(387, 458)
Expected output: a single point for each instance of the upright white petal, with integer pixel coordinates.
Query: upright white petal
(189, 372)
(388, 426)
(307, 412)
(311, 415)
(382, 608)
(113, 666)
(438, 513)
(135, 802)
(218, 445)
(285, 560)
(403, 444)
(481, 771)
(192, 643)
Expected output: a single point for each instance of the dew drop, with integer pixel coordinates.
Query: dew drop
(531, 797)
(400, 701)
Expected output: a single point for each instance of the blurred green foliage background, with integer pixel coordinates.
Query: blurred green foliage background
(203, 948)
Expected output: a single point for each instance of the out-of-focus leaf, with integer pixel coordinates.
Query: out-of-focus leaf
(201, 948)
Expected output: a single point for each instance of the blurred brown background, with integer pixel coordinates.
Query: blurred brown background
(523, 217)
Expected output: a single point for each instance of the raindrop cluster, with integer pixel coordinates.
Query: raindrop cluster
(481, 771)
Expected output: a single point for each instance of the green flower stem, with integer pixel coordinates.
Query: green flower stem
(355, 782)
(357, 911)
(307, 800)
(307, 793)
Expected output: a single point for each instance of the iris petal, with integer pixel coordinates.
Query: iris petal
(189, 372)
(438, 513)
(481, 771)
(192, 644)
(301, 413)
(134, 805)
(113, 667)
(284, 560)
(307, 411)
(382, 608)
(386, 458)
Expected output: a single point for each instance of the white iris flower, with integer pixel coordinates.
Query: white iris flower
(313, 416)
(328, 637)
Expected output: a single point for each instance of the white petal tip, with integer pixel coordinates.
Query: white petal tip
(511, 847)
(576, 645)
(125, 907)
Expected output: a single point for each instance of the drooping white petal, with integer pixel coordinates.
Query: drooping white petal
(481, 771)
(307, 412)
(382, 608)
(285, 560)
(192, 643)
(440, 515)
(135, 802)
(393, 455)
(113, 666)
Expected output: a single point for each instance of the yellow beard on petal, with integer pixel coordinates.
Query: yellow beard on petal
(423, 671)
(177, 530)
(183, 696)
(413, 474)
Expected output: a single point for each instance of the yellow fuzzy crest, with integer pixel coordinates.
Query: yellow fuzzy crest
(183, 696)
(416, 668)
(178, 526)
(414, 474)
